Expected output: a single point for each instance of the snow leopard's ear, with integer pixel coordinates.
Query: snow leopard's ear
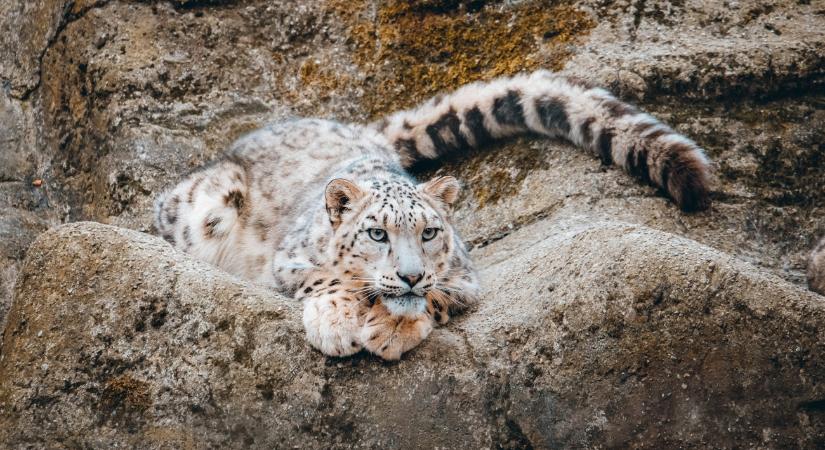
(443, 189)
(339, 195)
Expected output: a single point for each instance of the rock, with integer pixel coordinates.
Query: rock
(18, 228)
(595, 334)
(26, 28)
(25, 209)
(599, 299)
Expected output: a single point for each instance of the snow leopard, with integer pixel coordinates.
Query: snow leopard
(327, 213)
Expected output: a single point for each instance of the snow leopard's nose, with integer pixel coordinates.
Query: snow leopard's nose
(410, 279)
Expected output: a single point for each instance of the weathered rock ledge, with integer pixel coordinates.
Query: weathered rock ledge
(589, 335)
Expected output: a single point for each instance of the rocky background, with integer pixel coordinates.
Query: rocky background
(609, 318)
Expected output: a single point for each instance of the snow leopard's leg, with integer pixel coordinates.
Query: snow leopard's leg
(333, 320)
(201, 213)
(554, 106)
(340, 324)
(340, 319)
(389, 336)
(441, 306)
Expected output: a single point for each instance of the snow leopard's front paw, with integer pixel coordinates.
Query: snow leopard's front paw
(389, 336)
(333, 324)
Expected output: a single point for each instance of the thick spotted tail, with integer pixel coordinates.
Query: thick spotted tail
(555, 106)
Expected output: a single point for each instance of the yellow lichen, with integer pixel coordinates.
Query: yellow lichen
(417, 49)
(312, 73)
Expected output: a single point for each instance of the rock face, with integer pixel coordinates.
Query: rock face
(620, 336)
(603, 299)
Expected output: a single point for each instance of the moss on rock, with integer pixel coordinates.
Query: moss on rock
(417, 49)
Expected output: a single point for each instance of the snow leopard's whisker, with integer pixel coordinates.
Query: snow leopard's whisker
(368, 290)
(364, 289)
(447, 294)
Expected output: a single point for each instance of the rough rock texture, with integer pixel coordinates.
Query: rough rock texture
(25, 209)
(105, 102)
(589, 335)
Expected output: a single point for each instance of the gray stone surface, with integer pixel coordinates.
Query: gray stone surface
(26, 29)
(18, 228)
(588, 335)
(25, 209)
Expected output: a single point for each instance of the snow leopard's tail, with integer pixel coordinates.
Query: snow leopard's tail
(556, 106)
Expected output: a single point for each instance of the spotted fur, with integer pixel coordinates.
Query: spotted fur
(296, 205)
(816, 268)
(551, 105)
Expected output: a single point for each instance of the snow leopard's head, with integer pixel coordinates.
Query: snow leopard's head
(397, 237)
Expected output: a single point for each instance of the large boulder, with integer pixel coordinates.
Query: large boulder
(589, 334)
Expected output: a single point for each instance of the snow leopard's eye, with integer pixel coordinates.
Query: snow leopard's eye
(429, 233)
(377, 234)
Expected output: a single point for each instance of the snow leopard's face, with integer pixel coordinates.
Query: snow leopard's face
(396, 237)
